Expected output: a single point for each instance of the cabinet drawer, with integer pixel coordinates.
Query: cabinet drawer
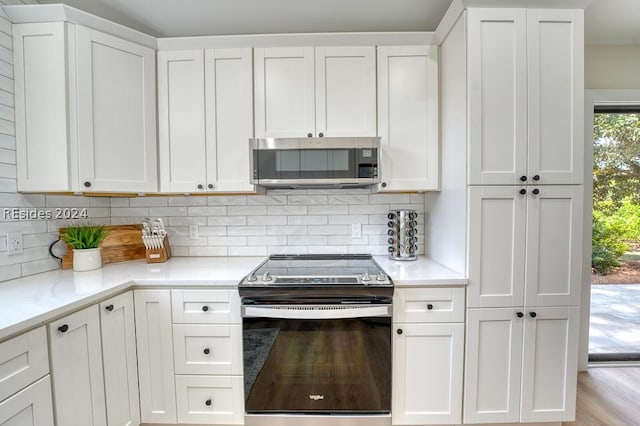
(23, 360)
(205, 306)
(30, 407)
(428, 305)
(210, 399)
(207, 349)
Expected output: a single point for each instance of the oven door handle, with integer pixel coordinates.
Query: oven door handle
(316, 311)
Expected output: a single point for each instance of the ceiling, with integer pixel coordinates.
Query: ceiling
(606, 21)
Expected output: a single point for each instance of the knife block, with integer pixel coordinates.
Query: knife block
(159, 255)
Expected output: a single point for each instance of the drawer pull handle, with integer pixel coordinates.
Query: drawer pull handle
(63, 328)
(208, 402)
(429, 306)
(205, 308)
(206, 351)
(109, 308)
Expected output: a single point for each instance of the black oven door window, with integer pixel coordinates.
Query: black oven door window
(317, 366)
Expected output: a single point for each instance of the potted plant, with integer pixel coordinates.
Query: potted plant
(85, 241)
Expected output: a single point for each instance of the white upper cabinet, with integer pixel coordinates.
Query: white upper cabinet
(307, 92)
(525, 96)
(85, 110)
(205, 120)
(408, 117)
(116, 114)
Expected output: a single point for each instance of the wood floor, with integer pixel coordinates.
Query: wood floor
(608, 397)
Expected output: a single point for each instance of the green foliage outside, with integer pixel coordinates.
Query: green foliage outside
(616, 188)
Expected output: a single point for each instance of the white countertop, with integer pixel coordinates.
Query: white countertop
(37, 299)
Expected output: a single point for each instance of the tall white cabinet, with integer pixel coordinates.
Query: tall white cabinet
(85, 110)
(315, 92)
(524, 196)
(205, 106)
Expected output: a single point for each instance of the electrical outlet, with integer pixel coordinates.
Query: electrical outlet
(193, 232)
(14, 243)
(356, 230)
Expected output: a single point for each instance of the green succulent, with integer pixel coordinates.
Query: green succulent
(84, 236)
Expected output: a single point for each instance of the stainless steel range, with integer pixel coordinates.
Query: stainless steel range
(317, 338)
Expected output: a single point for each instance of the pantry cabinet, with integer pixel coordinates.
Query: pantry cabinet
(526, 83)
(408, 117)
(428, 354)
(85, 110)
(120, 361)
(525, 245)
(522, 364)
(315, 92)
(76, 368)
(205, 105)
(154, 344)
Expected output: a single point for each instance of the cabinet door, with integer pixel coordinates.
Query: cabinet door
(497, 220)
(116, 114)
(76, 367)
(549, 366)
(556, 90)
(44, 108)
(181, 124)
(497, 49)
(345, 91)
(23, 360)
(427, 364)
(30, 407)
(284, 92)
(120, 360)
(408, 117)
(229, 119)
(554, 246)
(155, 356)
(493, 366)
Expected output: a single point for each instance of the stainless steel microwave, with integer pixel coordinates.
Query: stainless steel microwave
(315, 162)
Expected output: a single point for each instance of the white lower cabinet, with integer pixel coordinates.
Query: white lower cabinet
(155, 356)
(521, 365)
(76, 367)
(208, 348)
(210, 399)
(29, 407)
(428, 356)
(120, 360)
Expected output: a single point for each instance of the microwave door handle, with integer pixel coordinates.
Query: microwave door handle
(316, 312)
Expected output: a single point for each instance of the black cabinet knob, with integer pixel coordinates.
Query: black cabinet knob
(536, 191)
(429, 306)
(309, 135)
(63, 328)
(200, 186)
(523, 191)
(87, 184)
(210, 186)
(519, 314)
(523, 178)
(536, 178)
(399, 331)
(384, 184)
(208, 402)
(321, 135)
(533, 314)
(206, 351)
(109, 308)
(391, 216)
(205, 308)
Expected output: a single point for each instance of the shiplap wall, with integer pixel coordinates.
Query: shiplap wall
(301, 221)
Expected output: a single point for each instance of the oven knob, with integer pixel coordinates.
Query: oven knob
(266, 277)
(366, 277)
(381, 277)
(252, 277)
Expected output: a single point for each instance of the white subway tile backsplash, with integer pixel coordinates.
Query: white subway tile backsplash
(263, 200)
(307, 220)
(226, 220)
(287, 250)
(348, 199)
(148, 202)
(67, 201)
(10, 272)
(205, 251)
(267, 241)
(334, 209)
(100, 202)
(207, 211)
(227, 201)
(227, 241)
(347, 240)
(186, 241)
(307, 199)
(374, 229)
(286, 230)
(212, 230)
(186, 201)
(328, 230)
(186, 221)
(182, 251)
(266, 220)
(38, 266)
(167, 211)
(307, 240)
(390, 198)
(328, 249)
(286, 210)
(247, 230)
(119, 202)
(247, 210)
(247, 251)
(348, 220)
(368, 208)
(129, 211)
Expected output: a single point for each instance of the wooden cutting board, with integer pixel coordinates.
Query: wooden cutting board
(123, 243)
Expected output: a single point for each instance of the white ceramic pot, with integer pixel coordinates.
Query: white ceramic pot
(87, 259)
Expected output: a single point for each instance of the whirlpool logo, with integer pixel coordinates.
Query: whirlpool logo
(316, 397)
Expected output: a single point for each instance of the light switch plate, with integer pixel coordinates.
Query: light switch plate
(193, 232)
(14, 243)
(356, 230)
